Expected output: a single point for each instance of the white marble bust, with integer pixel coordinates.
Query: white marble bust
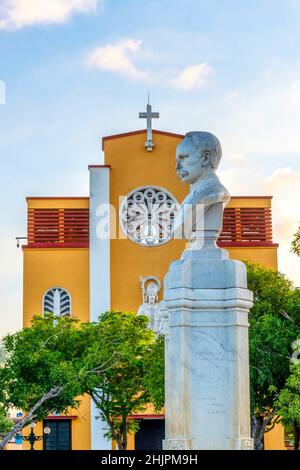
(200, 216)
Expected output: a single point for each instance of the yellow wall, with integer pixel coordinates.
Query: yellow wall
(45, 268)
(68, 268)
(250, 201)
(57, 203)
(129, 261)
(274, 440)
(38, 431)
(80, 428)
(130, 442)
(266, 256)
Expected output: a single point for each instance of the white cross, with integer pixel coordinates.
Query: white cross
(149, 144)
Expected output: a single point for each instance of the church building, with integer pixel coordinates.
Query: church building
(87, 255)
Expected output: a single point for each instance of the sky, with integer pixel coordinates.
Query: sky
(72, 71)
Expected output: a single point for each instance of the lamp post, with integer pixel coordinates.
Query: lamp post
(32, 438)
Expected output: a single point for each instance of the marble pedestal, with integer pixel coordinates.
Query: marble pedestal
(207, 367)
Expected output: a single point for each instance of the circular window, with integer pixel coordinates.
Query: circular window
(147, 215)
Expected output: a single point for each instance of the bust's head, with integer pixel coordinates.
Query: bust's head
(197, 155)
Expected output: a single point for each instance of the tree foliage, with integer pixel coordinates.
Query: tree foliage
(119, 391)
(49, 365)
(274, 325)
(154, 373)
(288, 404)
(5, 422)
(270, 340)
(294, 307)
(43, 369)
(42, 357)
(271, 291)
(295, 246)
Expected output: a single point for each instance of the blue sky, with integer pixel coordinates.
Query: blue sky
(76, 70)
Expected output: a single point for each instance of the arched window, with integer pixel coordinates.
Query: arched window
(57, 301)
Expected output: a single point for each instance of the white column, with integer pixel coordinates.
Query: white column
(99, 273)
(207, 363)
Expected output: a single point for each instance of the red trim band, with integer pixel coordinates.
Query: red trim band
(86, 245)
(109, 166)
(248, 244)
(147, 416)
(61, 417)
(250, 197)
(55, 245)
(99, 166)
(142, 131)
(57, 197)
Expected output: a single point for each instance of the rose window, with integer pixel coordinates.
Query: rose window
(147, 215)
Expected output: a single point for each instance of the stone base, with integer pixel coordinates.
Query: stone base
(194, 444)
(207, 365)
(245, 443)
(177, 444)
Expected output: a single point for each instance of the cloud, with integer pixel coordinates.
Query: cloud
(121, 58)
(265, 121)
(240, 180)
(10, 283)
(233, 94)
(15, 14)
(284, 184)
(2, 92)
(193, 77)
(295, 92)
(118, 58)
(237, 158)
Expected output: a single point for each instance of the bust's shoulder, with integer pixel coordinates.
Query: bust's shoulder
(219, 190)
(210, 192)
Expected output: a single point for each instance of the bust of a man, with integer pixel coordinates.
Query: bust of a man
(200, 216)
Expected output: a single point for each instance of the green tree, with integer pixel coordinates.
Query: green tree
(154, 373)
(5, 422)
(274, 325)
(295, 247)
(119, 391)
(44, 369)
(294, 307)
(47, 366)
(270, 339)
(288, 405)
(271, 290)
